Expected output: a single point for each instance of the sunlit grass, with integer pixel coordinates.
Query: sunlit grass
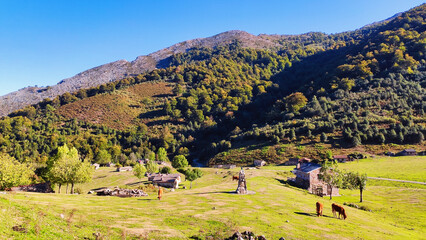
(209, 209)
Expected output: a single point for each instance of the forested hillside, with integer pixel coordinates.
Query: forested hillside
(362, 90)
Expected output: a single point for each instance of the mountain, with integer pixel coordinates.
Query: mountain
(119, 69)
(236, 97)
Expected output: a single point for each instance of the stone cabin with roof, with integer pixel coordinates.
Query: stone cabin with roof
(341, 158)
(307, 178)
(165, 180)
(408, 152)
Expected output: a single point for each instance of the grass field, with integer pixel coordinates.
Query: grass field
(209, 209)
(403, 168)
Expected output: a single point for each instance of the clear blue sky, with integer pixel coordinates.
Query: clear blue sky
(43, 42)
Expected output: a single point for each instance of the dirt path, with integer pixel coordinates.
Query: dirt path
(396, 180)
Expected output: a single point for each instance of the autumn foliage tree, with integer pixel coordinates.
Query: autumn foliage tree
(295, 101)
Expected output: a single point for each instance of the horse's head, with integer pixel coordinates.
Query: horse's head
(344, 213)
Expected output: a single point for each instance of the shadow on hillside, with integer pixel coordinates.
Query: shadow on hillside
(151, 114)
(163, 95)
(311, 214)
(157, 122)
(136, 183)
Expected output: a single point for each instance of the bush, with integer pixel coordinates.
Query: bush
(179, 161)
(364, 208)
(166, 170)
(78, 190)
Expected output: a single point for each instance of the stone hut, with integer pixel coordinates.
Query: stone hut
(259, 163)
(96, 166)
(307, 178)
(165, 180)
(124, 169)
(408, 152)
(341, 158)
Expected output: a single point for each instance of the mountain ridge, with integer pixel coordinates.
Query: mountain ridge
(116, 70)
(119, 69)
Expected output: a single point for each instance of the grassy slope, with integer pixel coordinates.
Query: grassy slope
(403, 168)
(128, 106)
(208, 209)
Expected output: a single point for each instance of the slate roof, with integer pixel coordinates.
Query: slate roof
(409, 150)
(340, 156)
(308, 167)
(163, 177)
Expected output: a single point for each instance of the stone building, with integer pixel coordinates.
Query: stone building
(165, 180)
(307, 178)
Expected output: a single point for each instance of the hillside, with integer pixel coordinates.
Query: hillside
(117, 70)
(358, 91)
(120, 69)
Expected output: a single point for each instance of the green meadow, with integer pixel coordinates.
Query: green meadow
(210, 211)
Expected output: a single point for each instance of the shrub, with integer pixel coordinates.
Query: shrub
(166, 170)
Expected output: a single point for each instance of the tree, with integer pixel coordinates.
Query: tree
(60, 166)
(191, 174)
(166, 170)
(162, 155)
(382, 138)
(13, 173)
(295, 101)
(330, 175)
(292, 134)
(179, 161)
(151, 167)
(356, 181)
(150, 155)
(103, 157)
(82, 172)
(66, 167)
(139, 171)
(323, 137)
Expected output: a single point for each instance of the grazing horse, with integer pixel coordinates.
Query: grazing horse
(235, 178)
(339, 209)
(319, 209)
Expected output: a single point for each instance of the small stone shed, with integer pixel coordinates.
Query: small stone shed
(307, 178)
(165, 180)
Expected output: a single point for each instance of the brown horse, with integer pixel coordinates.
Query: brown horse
(339, 209)
(235, 178)
(319, 209)
(160, 193)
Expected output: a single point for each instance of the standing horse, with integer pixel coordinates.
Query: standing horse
(235, 178)
(160, 193)
(319, 209)
(337, 208)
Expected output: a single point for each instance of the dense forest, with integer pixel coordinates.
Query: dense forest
(363, 87)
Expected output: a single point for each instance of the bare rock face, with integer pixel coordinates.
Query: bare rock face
(120, 69)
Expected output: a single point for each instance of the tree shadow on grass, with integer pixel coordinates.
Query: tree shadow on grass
(311, 214)
(282, 181)
(228, 192)
(136, 183)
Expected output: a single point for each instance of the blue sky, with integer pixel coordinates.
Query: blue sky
(43, 42)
